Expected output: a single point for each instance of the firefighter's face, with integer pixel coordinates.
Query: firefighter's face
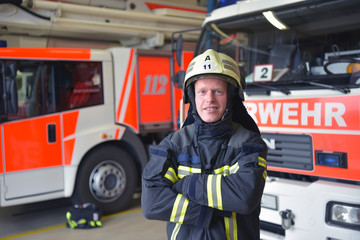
(210, 98)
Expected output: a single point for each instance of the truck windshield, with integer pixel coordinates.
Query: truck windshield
(319, 47)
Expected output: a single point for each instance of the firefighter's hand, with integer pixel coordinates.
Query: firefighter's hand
(177, 187)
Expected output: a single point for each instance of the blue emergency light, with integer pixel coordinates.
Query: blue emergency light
(223, 3)
(331, 159)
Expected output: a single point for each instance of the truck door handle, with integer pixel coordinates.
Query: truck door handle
(51, 133)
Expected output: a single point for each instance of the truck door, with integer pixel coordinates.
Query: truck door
(31, 134)
(156, 91)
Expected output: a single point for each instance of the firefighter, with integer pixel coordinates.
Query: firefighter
(206, 179)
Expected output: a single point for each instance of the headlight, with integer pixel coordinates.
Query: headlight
(354, 216)
(343, 214)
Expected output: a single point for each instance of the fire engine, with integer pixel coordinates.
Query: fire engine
(300, 61)
(77, 122)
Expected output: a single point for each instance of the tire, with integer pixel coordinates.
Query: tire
(108, 178)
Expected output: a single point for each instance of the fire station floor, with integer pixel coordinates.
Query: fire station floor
(47, 221)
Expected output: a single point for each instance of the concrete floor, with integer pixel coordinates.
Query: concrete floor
(47, 221)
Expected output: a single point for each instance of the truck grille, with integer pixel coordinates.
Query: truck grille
(289, 150)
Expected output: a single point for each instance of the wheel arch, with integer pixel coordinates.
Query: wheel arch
(130, 143)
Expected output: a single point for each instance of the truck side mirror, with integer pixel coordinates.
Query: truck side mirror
(179, 49)
(179, 78)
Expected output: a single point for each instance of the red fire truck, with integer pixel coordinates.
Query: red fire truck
(77, 122)
(301, 62)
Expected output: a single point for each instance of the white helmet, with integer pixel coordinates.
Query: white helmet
(212, 63)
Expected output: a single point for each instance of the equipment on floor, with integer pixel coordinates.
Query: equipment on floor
(85, 215)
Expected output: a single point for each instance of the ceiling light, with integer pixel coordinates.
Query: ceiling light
(269, 15)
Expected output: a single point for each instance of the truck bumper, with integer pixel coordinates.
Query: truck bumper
(307, 207)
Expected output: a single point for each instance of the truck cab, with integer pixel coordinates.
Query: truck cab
(300, 62)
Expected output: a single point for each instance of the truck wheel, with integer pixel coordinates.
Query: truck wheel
(107, 178)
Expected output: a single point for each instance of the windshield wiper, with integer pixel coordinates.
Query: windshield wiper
(271, 88)
(344, 90)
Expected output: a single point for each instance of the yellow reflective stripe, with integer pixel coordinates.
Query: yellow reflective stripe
(171, 175)
(262, 162)
(175, 231)
(223, 170)
(175, 207)
(214, 191)
(170, 178)
(226, 170)
(218, 191)
(72, 223)
(219, 170)
(209, 191)
(231, 227)
(172, 171)
(179, 209)
(189, 169)
(265, 174)
(185, 171)
(82, 221)
(183, 211)
(235, 226)
(227, 228)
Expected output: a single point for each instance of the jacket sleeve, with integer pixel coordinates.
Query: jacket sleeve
(160, 202)
(236, 188)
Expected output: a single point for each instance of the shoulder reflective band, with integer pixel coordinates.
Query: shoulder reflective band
(265, 174)
(179, 209)
(262, 162)
(214, 191)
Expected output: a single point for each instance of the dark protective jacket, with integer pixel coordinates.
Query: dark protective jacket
(207, 180)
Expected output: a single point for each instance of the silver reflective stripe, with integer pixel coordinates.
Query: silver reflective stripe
(234, 168)
(171, 175)
(226, 170)
(214, 191)
(231, 227)
(175, 231)
(179, 209)
(185, 171)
